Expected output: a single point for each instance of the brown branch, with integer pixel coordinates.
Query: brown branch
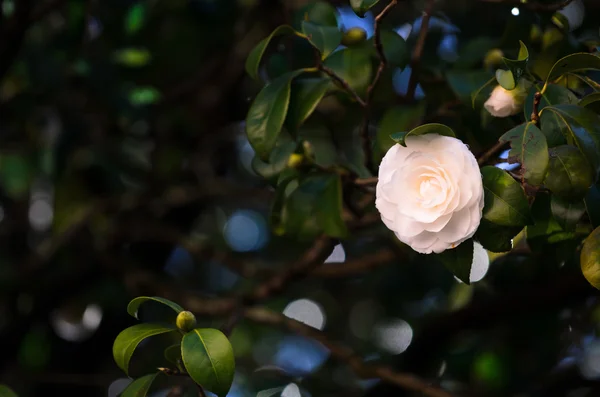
(535, 114)
(346, 355)
(490, 152)
(366, 181)
(418, 51)
(329, 72)
(534, 6)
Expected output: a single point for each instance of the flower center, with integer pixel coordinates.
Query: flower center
(431, 191)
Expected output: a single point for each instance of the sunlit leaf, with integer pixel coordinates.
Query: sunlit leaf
(208, 359)
(528, 148)
(574, 63)
(134, 305)
(516, 69)
(590, 258)
(432, 128)
(505, 201)
(128, 340)
(140, 387)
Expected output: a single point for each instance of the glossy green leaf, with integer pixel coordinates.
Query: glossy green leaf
(315, 207)
(6, 391)
(545, 229)
(354, 66)
(459, 260)
(591, 101)
(277, 160)
(581, 127)
(569, 174)
(566, 212)
(140, 386)
(318, 12)
(506, 79)
(134, 305)
(324, 38)
(128, 340)
(592, 205)
(360, 7)
(304, 99)
(573, 63)
(516, 68)
(395, 49)
(554, 95)
(496, 238)
(505, 201)
(397, 118)
(321, 142)
(432, 128)
(590, 258)
(173, 353)
(528, 148)
(267, 113)
(208, 359)
(253, 60)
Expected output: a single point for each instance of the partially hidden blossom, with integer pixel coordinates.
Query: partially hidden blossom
(504, 103)
(430, 193)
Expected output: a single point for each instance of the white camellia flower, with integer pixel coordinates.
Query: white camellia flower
(504, 103)
(430, 193)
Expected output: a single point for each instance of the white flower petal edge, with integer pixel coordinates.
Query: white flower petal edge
(430, 193)
(504, 103)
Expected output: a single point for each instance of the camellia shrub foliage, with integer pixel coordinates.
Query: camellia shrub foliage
(511, 165)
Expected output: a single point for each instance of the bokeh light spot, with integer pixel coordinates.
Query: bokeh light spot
(393, 336)
(306, 311)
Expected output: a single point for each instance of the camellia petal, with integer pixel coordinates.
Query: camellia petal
(430, 193)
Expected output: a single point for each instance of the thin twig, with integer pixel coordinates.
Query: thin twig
(329, 72)
(347, 355)
(535, 115)
(364, 130)
(418, 51)
(366, 181)
(534, 6)
(490, 152)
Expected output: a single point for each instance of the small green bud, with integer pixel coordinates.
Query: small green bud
(493, 58)
(295, 160)
(354, 36)
(308, 149)
(186, 321)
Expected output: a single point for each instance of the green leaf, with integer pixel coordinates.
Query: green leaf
(591, 101)
(276, 391)
(135, 18)
(267, 113)
(140, 386)
(134, 305)
(590, 258)
(397, 118)
(281, 193)
(592, 205)
(505, 201)
(567, 213)
(545, 230)
(277, 160)
(360, 7)
(173, 353)
(318, 12)
(354, 66)
(569, 174)
(128, 340)
(459, 260)
(324, 38)
(432, 128)
(253, 60)
(573, 63)
(496, 238)
(304, 99)
(208, 359)
(554, 95)
(321, 142)
(516, 69)
(581, 127)
(315, 207)
(465, 82)
(6, 391)
(529, 148)
(395, 48)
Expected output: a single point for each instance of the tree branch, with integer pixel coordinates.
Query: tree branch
(345, 354)
(483, 158)
(534, 6)
(329, 72)
(418, 51)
